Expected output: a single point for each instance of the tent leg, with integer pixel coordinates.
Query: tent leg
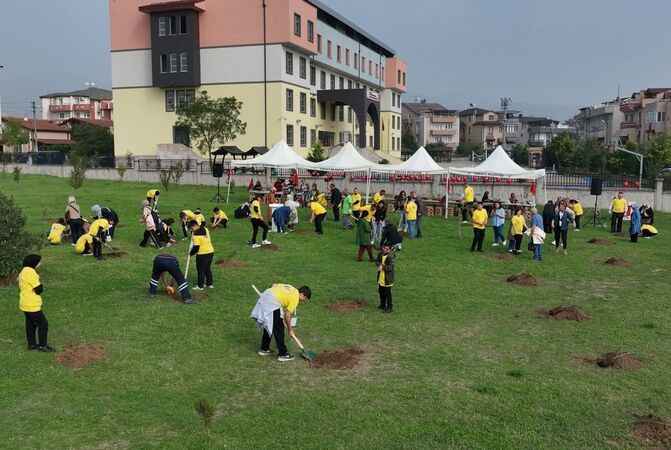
(545, 189)
(368, 185)
(228, 190)
(447, 193)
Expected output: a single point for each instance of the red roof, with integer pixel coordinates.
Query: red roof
(55, 141)
(41, 125)
(104, 123)
(171, 5)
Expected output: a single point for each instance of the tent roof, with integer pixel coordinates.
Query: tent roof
(499, 164)
(228, 150)
(420, 162)
(348, 158)
(280, 156)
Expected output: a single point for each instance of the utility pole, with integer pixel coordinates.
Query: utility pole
(505, 104)
(1, 68)
(34, 126)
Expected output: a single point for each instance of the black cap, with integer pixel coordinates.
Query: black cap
(31, 261)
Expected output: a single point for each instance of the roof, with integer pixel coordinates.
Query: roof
(93, 93)
(331, 13)
(499, 164)
(171, 5)
(228, 150)
(419, 108)
(55, 141)
(476, 111)
(103, 123)
(258, 150)
(41, 125)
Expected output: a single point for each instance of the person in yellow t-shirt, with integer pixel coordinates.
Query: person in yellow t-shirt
(318, 215)
(411, 217)
(467, 207)
(84, 244)
(618, 206)
(356, 201)
(97, 231)
(379, 196)
(200, 218)
(30, 302)
(479, 220)
(258, 222)
(203, 250)
(152, 198)
(56, 232)
(219, 218)
(186, 216)
(368, 209)
(518, 226)
(273, 313)
(578, 212)
(385, 278)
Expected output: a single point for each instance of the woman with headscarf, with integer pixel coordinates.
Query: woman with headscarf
(73, 218)
(635, 224)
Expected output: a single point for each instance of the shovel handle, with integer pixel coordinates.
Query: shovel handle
(256, 290)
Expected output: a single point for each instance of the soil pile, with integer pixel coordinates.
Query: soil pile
(564, 313)
(619, 360)
(523, 279)
(618, 262)
(115, 254)
(652, 430)
(503, 257)
(270, 248)
(80, 356)
(342, 359)
(346, 306)
(597, 241)
(231, 264)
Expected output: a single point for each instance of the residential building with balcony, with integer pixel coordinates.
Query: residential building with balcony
(42, 134)
(646, 115)
(481, 127)
(303, 72)
(92, 103)
(432, 123)
(600, 122)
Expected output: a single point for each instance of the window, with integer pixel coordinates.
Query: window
(339, 54)
(363, 63)
(165, 68)
(290, 100)
(322, 109)
(173, 25)
(182, 25)
(313, 76)
(661, 116)
(341, 113)
(342, 83)
(349, 115)
(358, 86)
(347, 56)
(333, 82)
(178, 98)
(651, 116)
(297, 25)
(303, 103)
(319, 43)
(322, 80)
(290, 135)
(173, 62)
(162, 26)
(304, 136)
(403, 78)
(349, 84)
(290, 63)
(356, 60)
(370, 67)
(333, 113)
(303, 68)
(377, 72)
(382, 73)
(399, 77)
(311, 31)
(329, 50)
(393, 99)
(313, 107)
(183, 62)
(313, 136)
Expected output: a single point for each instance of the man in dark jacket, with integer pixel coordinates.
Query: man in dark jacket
(548, 216)
(562, 218)
(336, 200)
(391, 237)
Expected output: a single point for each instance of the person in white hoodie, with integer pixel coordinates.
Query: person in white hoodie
(293, 217)
(537, 234)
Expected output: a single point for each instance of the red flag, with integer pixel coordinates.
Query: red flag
(533, 188)
(250, 186)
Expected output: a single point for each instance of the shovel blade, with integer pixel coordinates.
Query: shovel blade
(308, 355)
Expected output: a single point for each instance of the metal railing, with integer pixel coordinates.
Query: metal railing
(584, 181)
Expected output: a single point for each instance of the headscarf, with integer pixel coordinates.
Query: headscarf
(31, 261)
(96, 210)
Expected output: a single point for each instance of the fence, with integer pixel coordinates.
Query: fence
(584, 181)
(50, 158)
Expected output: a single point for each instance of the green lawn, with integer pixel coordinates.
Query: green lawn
(463, 363)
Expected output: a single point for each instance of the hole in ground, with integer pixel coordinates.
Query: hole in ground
(345, 306)
(80, 355)
(340, 359)
(598, 241)
(523, 279)
(270, 248)
(231, 263)
(564, 313)
(652, 430)
(618, 262)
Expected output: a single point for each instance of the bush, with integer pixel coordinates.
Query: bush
(166, 178)
(17, 174)
(78, 175)
(177, 172)
(15, 242)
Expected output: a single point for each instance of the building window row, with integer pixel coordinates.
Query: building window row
(175, 62)
(172, 25)
(373, 69)
(395, 100)
(176, 99)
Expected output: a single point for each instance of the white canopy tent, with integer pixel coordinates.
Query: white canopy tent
(419, 162)
(347, 159)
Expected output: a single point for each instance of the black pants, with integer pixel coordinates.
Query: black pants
(204, 267)
(561, 238)
(278, 333)
(616, 222)
(547, 226)
(318, 223)
(36, 322)
(478, 239)
(634, 237)
(184, 230)
(577, 222)
(385, 297)
(466, 213)
(76, 229)
(336, 213)
(98, 245)
(110, 232)
(256, 224)
(518, 242)
(150, 235)
(171, 266)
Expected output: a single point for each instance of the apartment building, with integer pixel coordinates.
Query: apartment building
(431, 123)
(92, 103)
(303, 72)
(647, 114)
(600, 122)
(42, 134)
(481, 127)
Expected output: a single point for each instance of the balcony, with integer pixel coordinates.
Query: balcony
(82, 107)
(437, 118)
(630, 106)
(443, 132)
(106, 106)
(629, 125)
(60, 108)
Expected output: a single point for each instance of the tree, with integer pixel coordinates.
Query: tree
(561, 152)
(657, 155)
(91, 141)
(466, 149)
(520, 154)
(408, 141)
(14, 134)
(16, 241)
(211, 121)
(316, 153)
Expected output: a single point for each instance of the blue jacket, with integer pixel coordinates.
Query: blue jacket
(499, 217)
(537, 220)
(635, 225)
(564, 222)
(281, 214)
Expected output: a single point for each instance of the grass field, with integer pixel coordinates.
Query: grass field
(464, 362)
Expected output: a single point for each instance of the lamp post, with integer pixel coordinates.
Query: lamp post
(1, 68)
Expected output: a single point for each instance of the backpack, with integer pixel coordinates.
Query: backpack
(242, 212)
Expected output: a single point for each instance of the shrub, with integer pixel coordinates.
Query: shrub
(78, 174)
(166, 177)
(121, 171)
(177, 172)
(17, 174)
(15, 242)
(206, 412)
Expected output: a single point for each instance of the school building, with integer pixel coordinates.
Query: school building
(303, 72)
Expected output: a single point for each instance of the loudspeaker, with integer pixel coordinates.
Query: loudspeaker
(595, 189)
(217, 170)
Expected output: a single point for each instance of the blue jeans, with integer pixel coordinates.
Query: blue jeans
(498, 234)
(538, 250)
(403, 223)
(412, 229)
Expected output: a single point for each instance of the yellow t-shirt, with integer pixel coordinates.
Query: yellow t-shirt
(411, 210)
(29, 301)
(256, 205)
(189, 215)
(321, 198)
(84, 239)
(577, 209)
(469, 195)
(56, 233)
(200, 218)
(619, 205)
(480, 219)
(356, 202)
(650, 228)
(287, 295)
(317, 208)
(152, 193)
(204, 243)
(369, 210)
(518, 224)
(97, 225)
(381, 277)
(221, 215)
(377, 198)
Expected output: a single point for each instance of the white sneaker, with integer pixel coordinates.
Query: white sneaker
(465, 221)
(266, 242)
(264, 353)
(198, 288)
(504, 242)
(554, 242)
(495, 244)
(210, 287)
(256, 245)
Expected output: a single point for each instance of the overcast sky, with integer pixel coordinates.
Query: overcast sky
(549, 56)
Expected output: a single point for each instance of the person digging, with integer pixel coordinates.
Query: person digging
(273, 313)
(163, 264)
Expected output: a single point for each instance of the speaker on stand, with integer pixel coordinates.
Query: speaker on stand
(596, 189)
(218, 173)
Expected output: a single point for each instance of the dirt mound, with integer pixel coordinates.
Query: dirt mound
(115, 254)
(503, 257)
(597, 241)
(270, 248)
(564, 313)
(652, 430)
(619, 360)
(342, 359)
(619, 262)
(231, 264)
(82, 355)
(345, 306)
(523, 279)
